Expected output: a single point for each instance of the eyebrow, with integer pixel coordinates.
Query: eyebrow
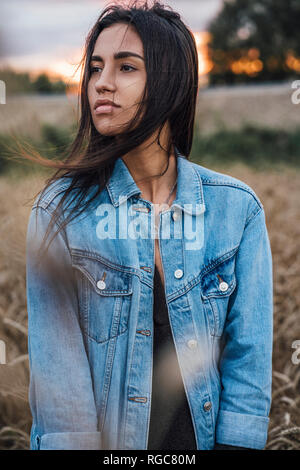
(118, 55)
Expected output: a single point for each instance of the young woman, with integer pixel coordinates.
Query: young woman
(149, 277)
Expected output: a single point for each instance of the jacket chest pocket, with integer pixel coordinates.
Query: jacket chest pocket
(218, 281)
(105, 293)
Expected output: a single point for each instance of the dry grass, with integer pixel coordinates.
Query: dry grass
(278, 190)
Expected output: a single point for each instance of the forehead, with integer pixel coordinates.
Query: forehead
(118, 37)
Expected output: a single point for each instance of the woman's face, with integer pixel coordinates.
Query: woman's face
(121, 80)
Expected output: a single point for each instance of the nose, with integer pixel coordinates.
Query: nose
(105, 81)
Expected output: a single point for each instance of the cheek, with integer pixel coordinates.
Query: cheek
(89, 91)
(132, 88)
(133, 99)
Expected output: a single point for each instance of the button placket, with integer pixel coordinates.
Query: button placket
(207, 405)
(192, 343)
(175, 215)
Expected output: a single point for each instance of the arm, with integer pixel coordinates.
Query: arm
(61, 394)
(246, 361)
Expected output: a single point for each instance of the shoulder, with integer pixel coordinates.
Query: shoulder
(218, 179)
(51, 193)
(228, 186)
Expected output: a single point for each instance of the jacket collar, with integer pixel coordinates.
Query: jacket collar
(189, 196)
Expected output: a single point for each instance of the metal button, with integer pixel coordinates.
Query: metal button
(178, 273)
(192, 343)
(223, 286)
(139, 399)
(175, 215)
(207, 405)
(101, 285)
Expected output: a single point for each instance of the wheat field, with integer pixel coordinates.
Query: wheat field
(279, 191)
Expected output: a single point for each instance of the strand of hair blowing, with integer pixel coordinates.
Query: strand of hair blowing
(170, 94)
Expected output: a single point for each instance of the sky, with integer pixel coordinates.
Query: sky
(50, 34)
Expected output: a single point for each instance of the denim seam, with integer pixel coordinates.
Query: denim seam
(110, 293)
(127, 398)
(215, 310)
(234, 185)
(208, 393)
(222, 295)
(210, 316)
(117, 308)
(61, 229)
(49, 196)
(75, 252)
(174, 295)
(116, 320)
(106, 340)
(107, 380)
(252, 216)
(85, 309)
(199, 185)
(214, 361)
(150, 381)
(151, 368)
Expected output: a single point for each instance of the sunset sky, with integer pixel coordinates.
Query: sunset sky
(48, 35)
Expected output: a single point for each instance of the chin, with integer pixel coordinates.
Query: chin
(110, 129)
(107, 129)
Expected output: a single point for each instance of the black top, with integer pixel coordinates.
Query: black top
(171, 425)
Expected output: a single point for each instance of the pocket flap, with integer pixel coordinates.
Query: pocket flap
(106, 279)
(218, 279)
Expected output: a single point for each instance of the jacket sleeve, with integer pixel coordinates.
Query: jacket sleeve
(246, 360)
(61, 394)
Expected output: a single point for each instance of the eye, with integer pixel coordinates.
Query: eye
(125, 65)
(95, 69)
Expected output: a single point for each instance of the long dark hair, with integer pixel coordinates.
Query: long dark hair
(170, 94)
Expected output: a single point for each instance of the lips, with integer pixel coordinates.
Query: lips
(105, 103)
(105, 106)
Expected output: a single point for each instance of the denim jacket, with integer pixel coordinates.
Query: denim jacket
(90, 304)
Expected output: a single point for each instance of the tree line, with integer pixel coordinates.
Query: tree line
(23, 82)
(255, 40)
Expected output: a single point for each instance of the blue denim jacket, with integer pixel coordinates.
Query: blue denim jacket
(90, 303)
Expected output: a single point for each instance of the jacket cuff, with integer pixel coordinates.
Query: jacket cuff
(243, 430)
(70, 441)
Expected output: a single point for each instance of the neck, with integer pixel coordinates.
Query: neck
(145, 162)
